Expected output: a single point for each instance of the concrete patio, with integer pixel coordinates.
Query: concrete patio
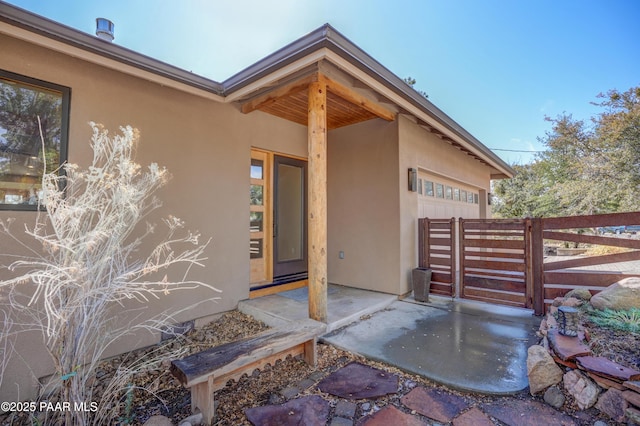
(469, 346)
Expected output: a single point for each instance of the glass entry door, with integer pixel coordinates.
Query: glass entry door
(290, 217)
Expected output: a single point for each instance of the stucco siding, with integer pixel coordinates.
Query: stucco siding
(424, 151)
(363, 206)
(204, 144)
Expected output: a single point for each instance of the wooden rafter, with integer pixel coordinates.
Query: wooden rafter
(357, 99)
(345, 106)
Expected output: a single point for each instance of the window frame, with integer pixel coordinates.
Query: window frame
(64, 125)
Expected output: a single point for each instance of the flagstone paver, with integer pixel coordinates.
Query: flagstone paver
(391, 416)
(567, 348)
(607, 368)
(435, 404)
(473, 417)
(358, 381)
(309, 411)
(527, 413)
(345, 409)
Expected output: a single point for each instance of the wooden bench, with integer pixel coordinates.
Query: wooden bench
(210, 370)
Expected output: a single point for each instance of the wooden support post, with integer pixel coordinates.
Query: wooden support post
(202, 399)
(317, 139)
(422, 242)
(528, 263)
(537, 265)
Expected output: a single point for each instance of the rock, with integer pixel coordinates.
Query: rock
(613, 404)
(572, 302)
(623, 295)
(308, 410)
(607, 368)
(158, 421)
(543, 325)
(633, 415)
(552, 322)
(565, 347)
(581, 388)
(579, 293)
(194, 419)
(541, 369)
(554, 397)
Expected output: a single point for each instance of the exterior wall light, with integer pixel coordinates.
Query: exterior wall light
(413, 180)
(568, 321)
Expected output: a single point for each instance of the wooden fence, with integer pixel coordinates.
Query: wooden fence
(503, 261)
(493, 265)
(438, 252)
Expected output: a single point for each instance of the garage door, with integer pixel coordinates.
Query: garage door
(440, 197)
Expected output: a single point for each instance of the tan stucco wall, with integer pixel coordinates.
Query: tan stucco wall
(423, 150)
(206, 147)
(363, 206)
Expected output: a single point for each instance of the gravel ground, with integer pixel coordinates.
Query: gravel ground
(158, 393)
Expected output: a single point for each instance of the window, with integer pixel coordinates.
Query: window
(449, 193)
(439, 190)
(23, 152)
(428, 188)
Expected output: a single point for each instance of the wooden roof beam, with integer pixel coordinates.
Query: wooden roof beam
(273, 95)
(355, 98)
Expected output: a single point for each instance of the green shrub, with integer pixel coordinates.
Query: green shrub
(623, 320)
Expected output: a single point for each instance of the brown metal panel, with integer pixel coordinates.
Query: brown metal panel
(593, 221)
(452, 246)
(536, 259)
(441, 276)
(443, 289)
(593, 260)
(439, 261)
(446, 252)
(512, 299)
(422, 243)
(493, 224)
(445, 242)
(462, 260)
(592, 239)
(584, 278)
(493, 254)
(498, 244)
(493, 265)
(495, 284)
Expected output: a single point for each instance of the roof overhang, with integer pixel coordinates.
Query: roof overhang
(327, 45)
(274, 84)
(345, 106)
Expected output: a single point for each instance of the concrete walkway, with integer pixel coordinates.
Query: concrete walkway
(468, 346)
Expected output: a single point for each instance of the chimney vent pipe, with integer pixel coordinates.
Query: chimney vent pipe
(104, 29)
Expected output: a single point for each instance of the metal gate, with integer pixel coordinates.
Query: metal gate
(493, 265)
(438, 252)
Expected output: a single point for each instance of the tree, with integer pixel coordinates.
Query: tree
(411, 82)
(20, 108)
(585, 169)
(84, 287)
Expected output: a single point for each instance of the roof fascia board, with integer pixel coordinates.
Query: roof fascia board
(44, 32)
(415, 110)
(346, 49)
(336, 46)
(291, 53)
(276, 75)
(324, 42)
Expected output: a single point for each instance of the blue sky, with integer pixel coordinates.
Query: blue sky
(497, 67)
